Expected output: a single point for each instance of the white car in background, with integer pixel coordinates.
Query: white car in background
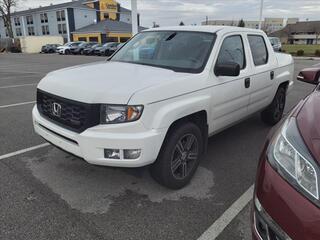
(65, 49)
(158, 98)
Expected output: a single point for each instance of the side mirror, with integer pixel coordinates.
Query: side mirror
(309, 75)
(230, 69)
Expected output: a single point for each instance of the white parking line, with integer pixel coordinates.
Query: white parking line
(225, 219)
(21, 85)
(16, 104)
(24, 151)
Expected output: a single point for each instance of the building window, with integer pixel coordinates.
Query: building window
(61, 16)
(112, 39)
(45, 30)
(44, 17)
(62, 28)
(31, 31)
(18, 32)
(17, 21)
(29, 20)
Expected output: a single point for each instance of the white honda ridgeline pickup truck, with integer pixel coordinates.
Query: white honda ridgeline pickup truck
(159, 97)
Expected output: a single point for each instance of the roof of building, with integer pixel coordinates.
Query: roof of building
(107, 26)
(299, 27)
(71, 4)
(124, 10)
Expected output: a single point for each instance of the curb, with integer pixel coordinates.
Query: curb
(307, 58)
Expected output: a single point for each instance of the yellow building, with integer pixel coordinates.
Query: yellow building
(106, 9)
(105, 31)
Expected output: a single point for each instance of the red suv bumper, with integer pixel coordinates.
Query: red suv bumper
(284, 213)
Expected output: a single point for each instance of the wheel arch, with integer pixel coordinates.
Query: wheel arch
(199, 118)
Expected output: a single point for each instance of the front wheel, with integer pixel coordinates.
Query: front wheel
(273, 113)
(179, 156)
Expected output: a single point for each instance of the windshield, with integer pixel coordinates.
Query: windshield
(176, 50)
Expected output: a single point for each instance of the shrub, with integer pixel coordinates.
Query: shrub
(317, 53)
(300, 52)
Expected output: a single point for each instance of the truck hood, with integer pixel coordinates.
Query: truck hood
(105, 82)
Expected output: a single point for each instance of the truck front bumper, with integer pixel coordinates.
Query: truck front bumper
(91, 144)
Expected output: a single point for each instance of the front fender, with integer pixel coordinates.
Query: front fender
(164, 113)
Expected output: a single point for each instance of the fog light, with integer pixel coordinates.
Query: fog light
(131, 153)
(112, 153)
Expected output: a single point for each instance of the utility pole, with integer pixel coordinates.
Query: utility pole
(206, 20)
(261, 13)
(134, 16)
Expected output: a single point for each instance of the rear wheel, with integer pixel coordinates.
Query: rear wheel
(179, 156)
(67, 52)
(273, 113)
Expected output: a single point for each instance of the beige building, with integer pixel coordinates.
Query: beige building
(273, 24)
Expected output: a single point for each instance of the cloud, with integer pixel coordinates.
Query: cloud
(171, 12)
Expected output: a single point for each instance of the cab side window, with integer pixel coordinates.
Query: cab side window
(258, 49)
(232, 50)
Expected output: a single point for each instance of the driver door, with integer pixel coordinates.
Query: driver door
(230, 95)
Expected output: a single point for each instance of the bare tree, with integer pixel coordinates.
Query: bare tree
(6, 7)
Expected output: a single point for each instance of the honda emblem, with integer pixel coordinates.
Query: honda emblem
(56, 109)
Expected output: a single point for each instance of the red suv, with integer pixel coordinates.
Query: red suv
(286, 200)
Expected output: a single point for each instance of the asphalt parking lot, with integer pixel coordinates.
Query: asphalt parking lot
(48, 194)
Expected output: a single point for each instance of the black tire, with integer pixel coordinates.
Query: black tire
(107, 53)
(67, 52)
(179, 156)
(274, 112)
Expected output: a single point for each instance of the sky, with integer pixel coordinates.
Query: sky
(172, 12)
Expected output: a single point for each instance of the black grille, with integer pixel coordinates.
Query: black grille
(75, 116)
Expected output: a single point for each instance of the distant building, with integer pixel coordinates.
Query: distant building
(268, 25)
(63, 19)
(273, 24)
(292, 20)
(105, 31)
(300, 33)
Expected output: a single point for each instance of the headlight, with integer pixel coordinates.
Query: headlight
(291, 158)
(120, 113)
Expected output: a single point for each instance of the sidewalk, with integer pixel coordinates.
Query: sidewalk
(307, 58)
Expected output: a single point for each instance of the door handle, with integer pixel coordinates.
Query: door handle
(272, 75)
(247, 82)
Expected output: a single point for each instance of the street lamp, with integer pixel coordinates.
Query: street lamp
(134, 16)
(261, 11)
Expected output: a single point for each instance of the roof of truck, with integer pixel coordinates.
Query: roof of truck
(206, 28)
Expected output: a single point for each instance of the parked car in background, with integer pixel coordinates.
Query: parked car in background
(159, 107)
(107, 49)
(120, 45)
(79, 48)
(276, 44)
(50, 48)
(286, 200)
(65, 49)
(90, 49)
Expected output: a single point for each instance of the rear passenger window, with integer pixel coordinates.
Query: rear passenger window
(258, 49)
(232, 50)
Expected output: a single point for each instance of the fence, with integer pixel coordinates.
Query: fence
(9, 45)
